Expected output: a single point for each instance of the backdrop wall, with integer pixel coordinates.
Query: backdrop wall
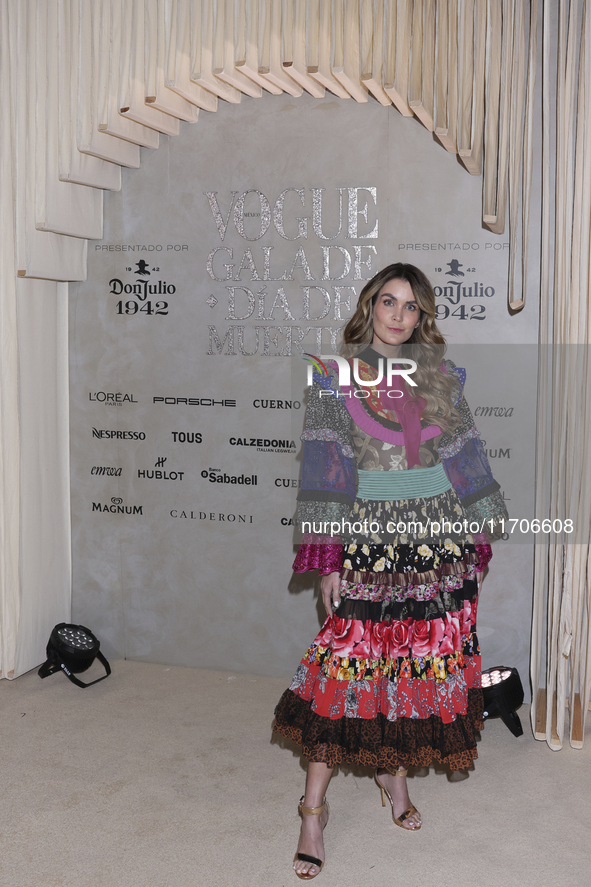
(207, 286)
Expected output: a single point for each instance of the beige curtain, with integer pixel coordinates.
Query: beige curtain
(561, 637)
(85, 83)
(34, 471)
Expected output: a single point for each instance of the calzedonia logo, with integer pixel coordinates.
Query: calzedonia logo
(111, 398)
(216, 476)
(159, 472)
(265, 444)
(116, 506)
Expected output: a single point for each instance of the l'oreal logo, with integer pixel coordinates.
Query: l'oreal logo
(395, 366)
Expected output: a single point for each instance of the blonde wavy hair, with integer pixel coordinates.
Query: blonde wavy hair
(426, 345)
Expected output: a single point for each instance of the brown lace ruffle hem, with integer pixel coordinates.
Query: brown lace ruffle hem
(377, 742)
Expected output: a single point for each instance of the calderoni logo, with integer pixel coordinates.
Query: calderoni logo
(265, 444)
(107, 434)
(262, 404)
(217, 516)
(111, 398)
(195, 401)
(496, 412)
(216, 476)
(116, 506)
(187, 436)
(103, 471)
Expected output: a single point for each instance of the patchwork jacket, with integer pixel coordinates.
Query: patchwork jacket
(329, 475)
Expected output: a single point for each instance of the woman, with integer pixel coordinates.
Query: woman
(392, 680)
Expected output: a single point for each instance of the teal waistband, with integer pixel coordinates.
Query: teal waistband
(411, 483)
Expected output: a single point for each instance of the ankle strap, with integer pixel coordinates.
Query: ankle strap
(311, 811)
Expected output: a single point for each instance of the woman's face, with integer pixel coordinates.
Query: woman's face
(395, 313)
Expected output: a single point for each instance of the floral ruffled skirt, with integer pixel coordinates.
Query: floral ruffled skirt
(393, 677)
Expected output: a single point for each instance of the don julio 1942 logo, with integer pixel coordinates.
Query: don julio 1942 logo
(143, 290)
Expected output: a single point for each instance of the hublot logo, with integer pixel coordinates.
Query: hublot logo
(160, 475)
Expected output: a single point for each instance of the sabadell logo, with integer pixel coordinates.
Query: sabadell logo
(215, 476)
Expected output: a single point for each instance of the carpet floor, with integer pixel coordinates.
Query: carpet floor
(168, 777)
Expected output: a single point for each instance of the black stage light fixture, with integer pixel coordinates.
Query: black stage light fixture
(72, 649)
(503, 693)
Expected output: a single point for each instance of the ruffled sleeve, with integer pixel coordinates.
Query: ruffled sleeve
(328, 480)
(483, 550)
(467, 467)
(322, 553)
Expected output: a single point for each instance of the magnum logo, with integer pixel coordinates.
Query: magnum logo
(116, 506)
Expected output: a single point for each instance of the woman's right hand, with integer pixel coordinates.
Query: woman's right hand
(329, 588)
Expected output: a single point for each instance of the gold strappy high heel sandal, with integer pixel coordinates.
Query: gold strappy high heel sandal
(304, 857)
(408, 812)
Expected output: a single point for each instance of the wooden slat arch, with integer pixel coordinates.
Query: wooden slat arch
(144, 65)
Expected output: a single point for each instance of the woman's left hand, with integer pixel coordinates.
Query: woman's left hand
(330, 590)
